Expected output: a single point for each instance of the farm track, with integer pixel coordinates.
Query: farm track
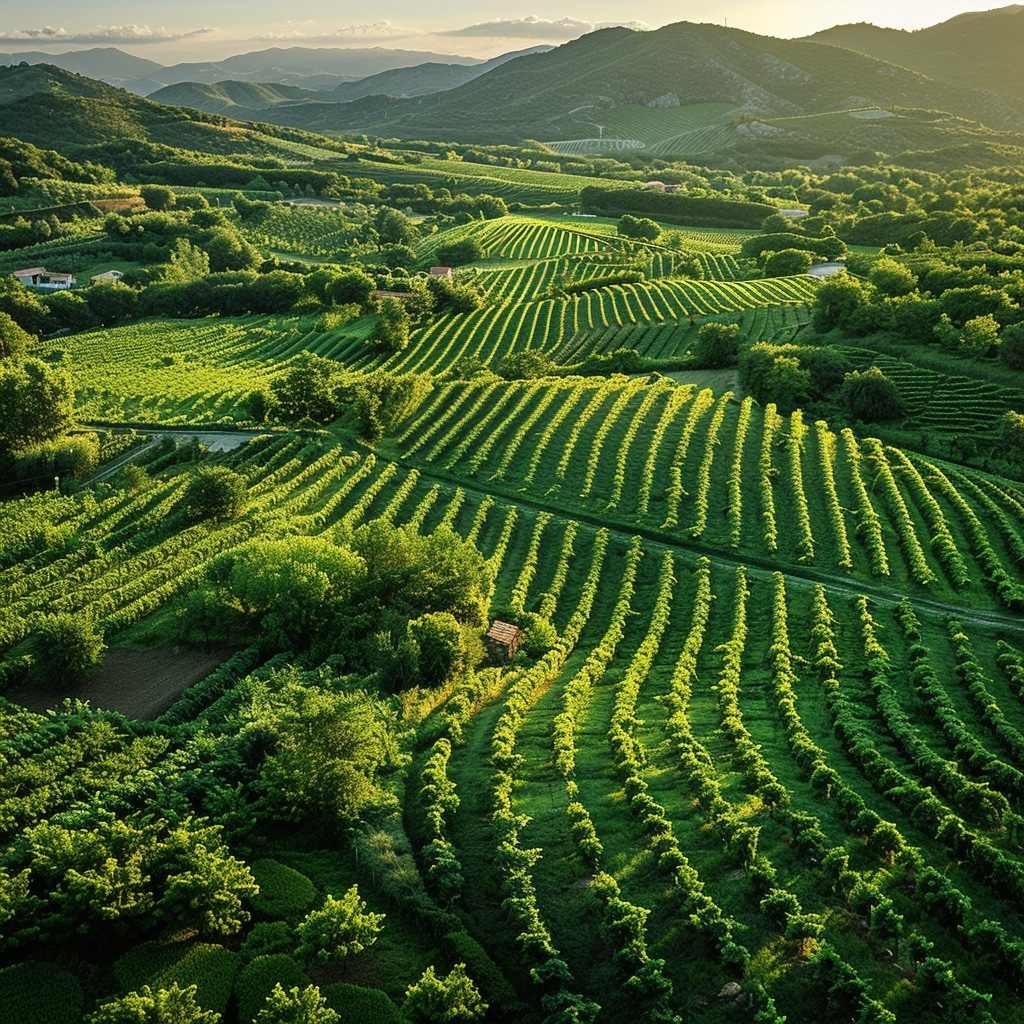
(852, 588)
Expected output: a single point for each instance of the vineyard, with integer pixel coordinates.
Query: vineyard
(759, 758)
(718, 769)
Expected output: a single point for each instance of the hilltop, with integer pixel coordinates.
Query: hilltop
(58, 110)
(981, 49)
(571, 94)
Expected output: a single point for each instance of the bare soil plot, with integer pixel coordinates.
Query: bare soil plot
(139, 684)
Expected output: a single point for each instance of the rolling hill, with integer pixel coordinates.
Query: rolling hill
(567, 94)
(981, 49)
(57, 110)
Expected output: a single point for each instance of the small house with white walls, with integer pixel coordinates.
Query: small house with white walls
(40, 277)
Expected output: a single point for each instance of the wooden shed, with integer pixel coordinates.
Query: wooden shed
(503, 638)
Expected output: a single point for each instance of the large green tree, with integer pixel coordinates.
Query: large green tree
(36, 403)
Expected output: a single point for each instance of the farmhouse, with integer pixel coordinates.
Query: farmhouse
(40, 277)
(441, 272)
(503, 638)
(106, 276)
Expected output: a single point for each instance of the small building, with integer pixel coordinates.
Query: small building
(106, 277)
(503, 638)
(40, 277)
(441, 272)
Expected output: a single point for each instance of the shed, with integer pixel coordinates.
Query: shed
(107, 275)
(441, 272)
(504, 637)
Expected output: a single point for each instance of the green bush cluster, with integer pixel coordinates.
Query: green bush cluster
(284, 892)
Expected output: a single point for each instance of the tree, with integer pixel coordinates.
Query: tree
(1011, 435)
(837, 300)
(1011, 346)
(305, 390)
(157, 197)
(349, 287)
(290, 588)
(788, 384)
(297, 1006)
(187, 262)
(394, 228)
(340, 928)
(717, 346)
(456, 254)
(112, 302)
(14, 341)
(36, 403)
(871, 397)
(443, 652)
(978, 337)
(528, 365)
(452, 297)
(328, 750)
(215, 492)
(22, 305)
(638, 227)
(174, 1005)
(434, 1000)
(892, 278)
(393, 325)
(788, 262)
(66, 648)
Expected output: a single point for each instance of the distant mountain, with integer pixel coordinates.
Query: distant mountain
(423, 79)
(983, 49)
(105, 63)
(252, 99)
(566, 93)
(314, 68)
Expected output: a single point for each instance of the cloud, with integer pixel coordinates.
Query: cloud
(376, 31)
(101, 34)
(532, 27)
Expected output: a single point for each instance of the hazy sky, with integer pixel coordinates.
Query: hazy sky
(194, 30)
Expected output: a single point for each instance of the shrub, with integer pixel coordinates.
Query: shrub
(39, 993)
(871, 397)
(215, 492)
(339, 928)
(66, 648)
(160, 1006)
(717, 346)
(257, 979)
(434, 1000)
(284, 892)
(787, 262)
(296, 1006)
(360, 1005)
(268, 937)
(209, 968)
